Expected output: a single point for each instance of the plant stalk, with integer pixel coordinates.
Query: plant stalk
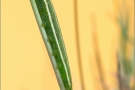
(78, 44)
(52, 37)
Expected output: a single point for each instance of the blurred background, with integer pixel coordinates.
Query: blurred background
(99, 39)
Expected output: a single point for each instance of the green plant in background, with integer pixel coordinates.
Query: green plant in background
(51, 34)
(125, 71)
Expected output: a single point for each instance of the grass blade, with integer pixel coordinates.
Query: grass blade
(51, 34)
(78, 44)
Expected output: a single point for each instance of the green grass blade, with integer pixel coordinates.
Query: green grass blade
(126, 63)
(51, 34)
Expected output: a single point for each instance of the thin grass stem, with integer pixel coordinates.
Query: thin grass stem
(78, 43)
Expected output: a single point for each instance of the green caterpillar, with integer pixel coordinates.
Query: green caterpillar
(51, 34)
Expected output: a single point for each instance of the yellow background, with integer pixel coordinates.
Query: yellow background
(25, 62)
